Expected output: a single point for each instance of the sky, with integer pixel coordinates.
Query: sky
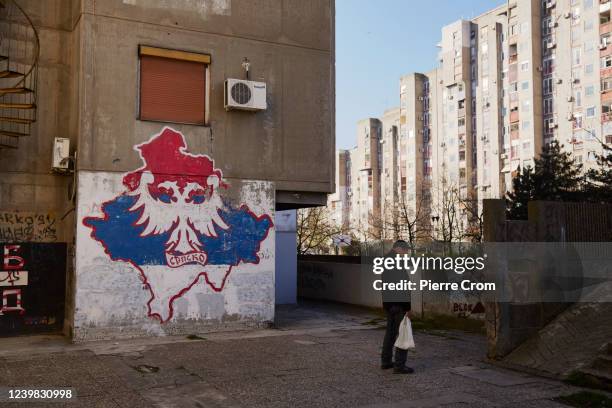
(379, 41)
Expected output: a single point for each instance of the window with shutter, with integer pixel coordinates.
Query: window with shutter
(173, 86)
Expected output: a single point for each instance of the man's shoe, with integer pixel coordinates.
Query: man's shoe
(386, 366)
(403, 370)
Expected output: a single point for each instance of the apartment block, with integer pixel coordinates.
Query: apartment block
(338, 203)
(508, 82)
(365, 166)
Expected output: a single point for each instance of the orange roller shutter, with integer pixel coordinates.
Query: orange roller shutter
(172, 90)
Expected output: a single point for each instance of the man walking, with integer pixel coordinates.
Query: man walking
(396, 305)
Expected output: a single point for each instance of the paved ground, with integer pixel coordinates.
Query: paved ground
(319, 355)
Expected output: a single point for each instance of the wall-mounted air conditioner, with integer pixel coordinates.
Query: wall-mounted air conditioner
(503, 156)
(551, 44)
(550, 4)
(244, 95)
(552, 24)
(570, 98)
(559, 81)
(570, 117)
(567, 14)
(552, 125)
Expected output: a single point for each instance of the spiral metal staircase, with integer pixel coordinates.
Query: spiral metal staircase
(19, 52)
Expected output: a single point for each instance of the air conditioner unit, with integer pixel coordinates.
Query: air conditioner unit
(552, 125)
(503, 156)
(550, 4)
(559, 81)
(567, 14)
(450, 97)
(576, 80)
(244, 95)
(570, 98)
(551, 44)
(570, 117)
(539, 69)
(552, 24)
(421, 98)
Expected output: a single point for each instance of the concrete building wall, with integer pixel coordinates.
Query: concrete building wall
(285, 278)
(174, 277)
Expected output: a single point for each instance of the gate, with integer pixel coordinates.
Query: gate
(32, 287)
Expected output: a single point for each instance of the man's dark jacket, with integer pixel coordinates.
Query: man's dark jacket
(396, 298)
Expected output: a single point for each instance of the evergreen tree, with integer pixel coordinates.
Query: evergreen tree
(599, 181)
(523, 191)
(555, 177)
(558, 177)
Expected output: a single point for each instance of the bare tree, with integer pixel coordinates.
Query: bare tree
(315, 230)
(474, 228)
(448, 215)
(414, 218)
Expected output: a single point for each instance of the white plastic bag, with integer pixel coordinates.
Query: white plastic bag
(405, 340)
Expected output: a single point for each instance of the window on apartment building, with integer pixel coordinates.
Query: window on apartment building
(575, 15)
(525, 125)
(577, 98)
(547, 86)
(590, 112)
(608, 139)
(514, 152)
(548, 66)
(588, 69)
(173, 86)
(606, 84)
(590, 90)
(526, 147)
(548, 106)
(513, 87)
(587, 4)
(526, 105)
(591, 156)
(576, 34)
(524, 65)
(576, 55)
(606, 62)
(588, 25)
(548, 126)
(525, 85)
(546, 29)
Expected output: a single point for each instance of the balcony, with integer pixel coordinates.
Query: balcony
(605, 28)
(513, 58)
(514, 116)
(515, 135)
(604, 6)
(606, 117)
(606, 72)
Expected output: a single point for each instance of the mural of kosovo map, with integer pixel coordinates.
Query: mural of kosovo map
(172, 224)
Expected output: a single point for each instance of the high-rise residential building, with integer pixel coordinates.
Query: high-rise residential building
(508, 82)
(338, 203)
(389, 173)
(365, 166)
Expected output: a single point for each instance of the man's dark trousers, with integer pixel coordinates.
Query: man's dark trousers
(395, 315)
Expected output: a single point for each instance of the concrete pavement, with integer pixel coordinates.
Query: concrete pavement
(317, 356)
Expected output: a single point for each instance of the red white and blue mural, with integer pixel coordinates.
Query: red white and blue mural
(174, 224)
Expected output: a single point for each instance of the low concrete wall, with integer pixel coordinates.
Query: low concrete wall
(344, 279)
(337, 278)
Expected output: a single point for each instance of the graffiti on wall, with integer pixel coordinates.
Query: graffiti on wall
(173, 225)
(23, 226)
(32, 287)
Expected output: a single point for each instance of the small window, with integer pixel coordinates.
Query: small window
(590, 112)
(173, 86)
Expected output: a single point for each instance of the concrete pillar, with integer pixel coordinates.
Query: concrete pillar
(286, 258)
